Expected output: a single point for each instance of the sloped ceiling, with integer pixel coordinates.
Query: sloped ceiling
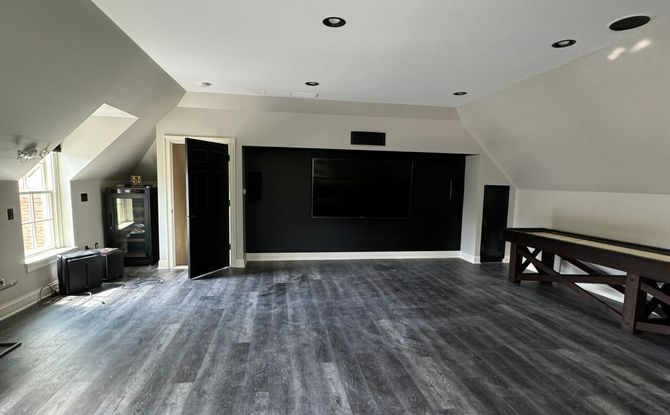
(391, 51)
(91, 138)
(148, 166)
(60, 60)
(600, 123)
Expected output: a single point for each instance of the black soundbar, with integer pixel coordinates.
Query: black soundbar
(368, 138)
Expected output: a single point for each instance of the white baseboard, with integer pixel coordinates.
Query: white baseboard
(477, 259)
(23, 302)
(240, 263)
(163, 264)
(321, 256)
(473, 259)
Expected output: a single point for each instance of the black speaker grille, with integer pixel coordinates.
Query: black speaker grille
(368, 138)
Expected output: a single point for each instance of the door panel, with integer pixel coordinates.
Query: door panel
(207, 206)
(494, 220)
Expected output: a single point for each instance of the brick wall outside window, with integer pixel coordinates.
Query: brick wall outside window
(37, 199)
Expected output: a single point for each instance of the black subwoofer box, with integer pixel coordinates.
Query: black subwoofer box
(113, 263)
(80, 271)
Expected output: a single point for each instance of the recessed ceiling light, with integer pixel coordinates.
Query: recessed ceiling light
(629, 23)
(563, 43)
(205, 84)
(311, 83)
(460, 93)
(334, 21)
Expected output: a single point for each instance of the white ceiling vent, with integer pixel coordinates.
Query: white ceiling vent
(290, 94)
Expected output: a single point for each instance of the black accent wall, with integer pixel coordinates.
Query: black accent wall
(278, 217)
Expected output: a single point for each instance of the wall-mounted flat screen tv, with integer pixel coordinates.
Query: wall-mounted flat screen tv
(356, 188)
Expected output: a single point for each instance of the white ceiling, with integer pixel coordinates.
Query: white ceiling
(59, 61)
(595, 124)
(92, 137)
(392, 51)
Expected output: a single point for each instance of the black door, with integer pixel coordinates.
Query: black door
(494, 220)
(207, 207)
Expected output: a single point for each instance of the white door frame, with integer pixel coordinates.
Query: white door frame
(232, 210)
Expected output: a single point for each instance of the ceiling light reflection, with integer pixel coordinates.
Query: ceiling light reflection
(643, 44)
(616, 53)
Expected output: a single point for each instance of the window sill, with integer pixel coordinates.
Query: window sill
(35, 262)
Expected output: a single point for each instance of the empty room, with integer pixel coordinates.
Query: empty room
(321, 207)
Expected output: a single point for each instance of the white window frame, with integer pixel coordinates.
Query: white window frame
(54, 193)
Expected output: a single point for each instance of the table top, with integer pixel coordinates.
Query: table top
(647, 261)
(603, 245)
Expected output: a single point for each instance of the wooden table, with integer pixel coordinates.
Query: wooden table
(645, 285)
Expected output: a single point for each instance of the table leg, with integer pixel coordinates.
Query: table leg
(515, 261)
(633, 304)
(548, 260)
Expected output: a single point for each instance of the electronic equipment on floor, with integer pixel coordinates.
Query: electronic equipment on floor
(80, 271)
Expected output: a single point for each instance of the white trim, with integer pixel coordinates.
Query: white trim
(23, 302)
(320, 256)
(240, 263)
(58, 194)
(43, 259)
(473, 259)
(169, 202)
(476, 259)
(55, 195)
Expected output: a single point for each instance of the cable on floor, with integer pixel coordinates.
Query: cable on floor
(48, 299)
(53, 296)
(138, 283)
(90, 295)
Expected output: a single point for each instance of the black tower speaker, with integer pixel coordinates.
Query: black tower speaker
(368, 138)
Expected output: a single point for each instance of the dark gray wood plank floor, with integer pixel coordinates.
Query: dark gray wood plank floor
(363, 337)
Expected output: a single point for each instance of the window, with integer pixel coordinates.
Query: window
(39, 207)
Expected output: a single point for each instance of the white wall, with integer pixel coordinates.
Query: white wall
(147, 166)
(85, 224)
(479, 172)
(629, 217)
(90, 139)
(588, 143)
(60, 61)
(639, 218)
(309, 124)
(85, 221)
(88, 216)
(597, 124)
(11, 256)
